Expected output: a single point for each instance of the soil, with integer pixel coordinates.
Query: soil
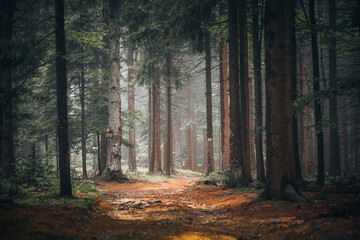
(186, 209)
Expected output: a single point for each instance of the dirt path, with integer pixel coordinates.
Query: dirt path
(184, 209)
(188, 210)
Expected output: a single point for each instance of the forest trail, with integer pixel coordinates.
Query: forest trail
(185, 208)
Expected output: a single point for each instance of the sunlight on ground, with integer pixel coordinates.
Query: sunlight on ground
(200, 236)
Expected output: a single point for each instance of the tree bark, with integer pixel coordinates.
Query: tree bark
(294, 92)
(189, 132)
(150, 130)
(260, 171)
(244, 92)
(156, 117)
(209, 126)
(224, 105)
(335, 166)
(83, 137)
(114, 154)
(131, 107)
(316, 87)
(170, 142)
(7, 157)
(62, 107)
(236, 168)
(279, 139)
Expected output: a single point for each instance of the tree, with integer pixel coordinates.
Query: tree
(260, 171)
(157, 139)
(294, 92)
(114, 171)
(150, 130)
(169, 157)
(189, 132)
(131, 107)
(83, 135)
(334, 168)
(209, 127)
(62, 107)
(224, 103)
(7, 158)
(316, 87)
(244, 92)
(236, 168)
(279, 139)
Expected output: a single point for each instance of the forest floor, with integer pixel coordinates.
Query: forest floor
(184, 208)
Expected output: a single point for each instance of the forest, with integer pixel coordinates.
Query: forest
(180, 119)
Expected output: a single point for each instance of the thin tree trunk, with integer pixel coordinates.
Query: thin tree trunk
(224, 105)
(260, 171)
(316, 87)
(294, 92)
(169, 140)
(302, 133)
(156, 128)
(62, 107)
(7, 157)
(244, 91)
(83, 137)
(150, 130)
(131, 107)
(189, 139)
(236, 167)
(209, 126)
(335, 166)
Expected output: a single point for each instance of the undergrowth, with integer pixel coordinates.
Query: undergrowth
(142, 174)
(40, 185)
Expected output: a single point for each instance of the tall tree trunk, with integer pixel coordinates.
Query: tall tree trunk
(114, 155)
(294, 92)
(224, 105)
(236, 168)
(334, 129)
(131, 107)
(260, 171)
(316, 87)
(224, 102)
(279, 139)
(150, 130)
(83, 137)
(156, 117)
(169, 141)
(302, 133)
(7, 158)
(252, 125)
(189, 132)
(209, 126)
(62, 107)
(244, 91)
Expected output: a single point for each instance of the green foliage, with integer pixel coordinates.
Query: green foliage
(220, 178)
(188, 173)
(142, 174)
